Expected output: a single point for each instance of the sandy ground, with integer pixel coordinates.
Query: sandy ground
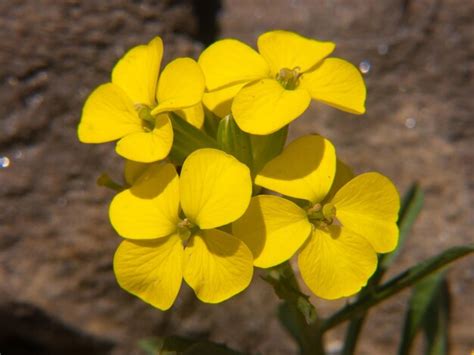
(57, 288)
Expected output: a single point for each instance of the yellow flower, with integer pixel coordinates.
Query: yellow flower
(133, 107)
(170, 222)
(338, 236)
(275, 86)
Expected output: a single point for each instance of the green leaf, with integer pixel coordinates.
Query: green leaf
(206, 347)
(397, 284)
(436, 324)
(165, 346)
(410, 209)
(151, 346)
(233, 140)
(174, 345)
(424, 295)
(187, 139)
(265, 148)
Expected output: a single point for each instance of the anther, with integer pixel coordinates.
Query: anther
(289, 78)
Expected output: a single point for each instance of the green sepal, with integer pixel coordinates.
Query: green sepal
(187, 139)
(233, 140)
(211, 123)
(265, 148)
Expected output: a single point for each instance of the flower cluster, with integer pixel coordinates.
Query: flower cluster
(209, 191)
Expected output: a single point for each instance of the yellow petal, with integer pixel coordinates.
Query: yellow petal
(283, 49)
(337, 83)
(219, 102)
(137, 72)
(273, 228)
(230, 61)
(336, 263)
(305, 169)
(193, 114)
(149, 209)
(151, 270)
(264, 107)
(108, 115)
(217, 265)
(181, 85)
(215, 188)
(147, 147)
(344, 174)
(368, 205)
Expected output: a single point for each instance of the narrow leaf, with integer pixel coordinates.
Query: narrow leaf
(411, 207)
(151, 346)
(397, 284)
(206, 347)
(436, 324)
(424, 295)
(174, 345)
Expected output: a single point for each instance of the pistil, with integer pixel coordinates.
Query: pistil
(148, 121)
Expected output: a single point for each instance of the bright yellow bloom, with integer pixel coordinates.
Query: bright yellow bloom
(170, 222)
(133, 107)
(275, 86)
(338, 235)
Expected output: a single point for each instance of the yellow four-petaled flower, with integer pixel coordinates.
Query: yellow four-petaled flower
(171, 228)
(275, 86)
(338, 233)
(133, 107)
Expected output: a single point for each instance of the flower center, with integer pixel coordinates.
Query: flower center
(148, 121)
(318, 214)
(186, 229)
(289, 78)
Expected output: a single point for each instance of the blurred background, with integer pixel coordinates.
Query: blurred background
(58, 293)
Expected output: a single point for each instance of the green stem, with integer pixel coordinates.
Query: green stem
(357, 322)
(296, 314)
(396, 284)
(352, 335)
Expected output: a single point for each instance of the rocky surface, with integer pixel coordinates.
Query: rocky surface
(56, 244)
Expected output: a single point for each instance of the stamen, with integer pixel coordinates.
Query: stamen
(321, 215)
(289, 78)
(186, 229)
